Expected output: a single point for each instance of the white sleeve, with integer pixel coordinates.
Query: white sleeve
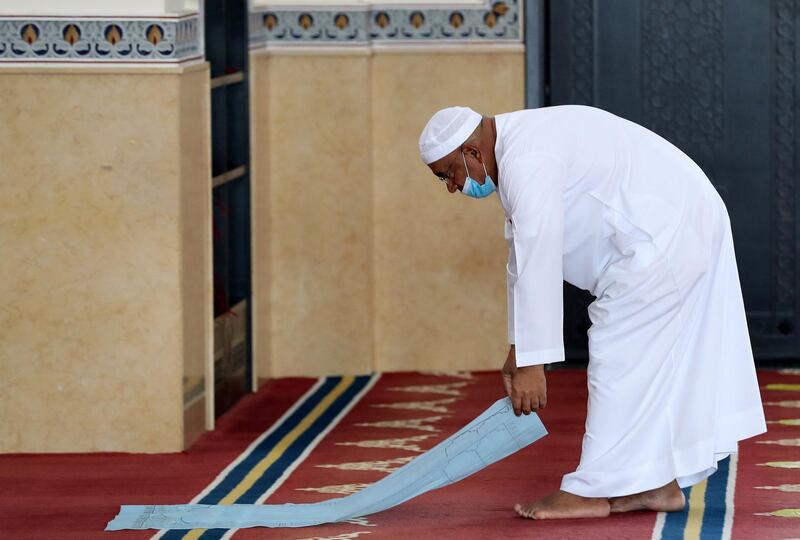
(511, 273)
(535, 280)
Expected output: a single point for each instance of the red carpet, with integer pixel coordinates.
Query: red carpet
(751, 497)
(74, 496)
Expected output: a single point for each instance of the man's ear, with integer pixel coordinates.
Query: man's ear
(471, 149)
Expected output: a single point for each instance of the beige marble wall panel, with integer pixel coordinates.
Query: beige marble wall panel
(260, 216)
(90, 322)
(320, 199)
(196, 250)
(440, 300)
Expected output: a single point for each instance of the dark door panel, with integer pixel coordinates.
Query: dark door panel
(227, 52)
(716, 78)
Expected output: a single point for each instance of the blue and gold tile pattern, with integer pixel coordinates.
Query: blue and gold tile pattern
(498, 21)
(100, 39)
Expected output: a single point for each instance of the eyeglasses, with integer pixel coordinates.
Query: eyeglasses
(445, 177)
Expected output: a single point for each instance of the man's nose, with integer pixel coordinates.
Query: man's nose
(451, 186)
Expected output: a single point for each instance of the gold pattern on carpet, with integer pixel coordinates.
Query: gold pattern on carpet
(455, 374)
(421, 424)
(786, 422)
(793, 513)
(340, 489)
(343, 536)
(387, 465)
(403, 443)
(787, 403)
(783, 387)
(449, 389)
(786, 488)
(395, 443)
(782, 442)
(436, 405)
(781, 464)
(364, 522)
(783, 512)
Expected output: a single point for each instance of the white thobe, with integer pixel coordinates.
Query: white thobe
(612, 208)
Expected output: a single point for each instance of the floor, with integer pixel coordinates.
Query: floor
(308, 440)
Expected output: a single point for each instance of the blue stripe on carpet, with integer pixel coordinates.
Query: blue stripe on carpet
(714, 509)
(293, 451)
(259, 452)
(714, 516)
(238, 473)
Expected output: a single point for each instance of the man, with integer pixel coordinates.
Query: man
(611, 207)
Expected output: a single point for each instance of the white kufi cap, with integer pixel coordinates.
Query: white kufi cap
(446, 131)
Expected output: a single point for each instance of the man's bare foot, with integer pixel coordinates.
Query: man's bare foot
(563, 505)
(667, 498)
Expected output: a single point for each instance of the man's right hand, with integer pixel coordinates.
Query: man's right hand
(525, 386)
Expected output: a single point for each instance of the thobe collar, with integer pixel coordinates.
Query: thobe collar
(499, 149)
(499, 146)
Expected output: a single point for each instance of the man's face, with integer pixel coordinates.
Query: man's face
(450, 170)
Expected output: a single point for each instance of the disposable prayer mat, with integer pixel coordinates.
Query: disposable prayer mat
(493, 435)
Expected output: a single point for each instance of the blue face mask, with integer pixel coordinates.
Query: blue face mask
(474, 189)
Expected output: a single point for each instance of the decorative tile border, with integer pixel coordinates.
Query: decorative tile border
(177, 39)
(163, 40)
(494, 22)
